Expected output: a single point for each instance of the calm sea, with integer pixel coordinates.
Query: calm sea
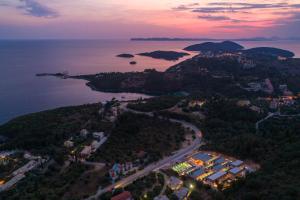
(21, 92)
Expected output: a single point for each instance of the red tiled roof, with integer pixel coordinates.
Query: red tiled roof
(123, 196)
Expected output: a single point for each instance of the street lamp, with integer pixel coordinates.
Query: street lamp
(191, 186)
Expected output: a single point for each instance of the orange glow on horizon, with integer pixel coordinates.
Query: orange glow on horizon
(144, 17)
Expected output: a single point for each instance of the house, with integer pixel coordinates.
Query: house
(98, 135)
(175, 183)
(237, 163)
(95, 145)
(269, 86)
(283, 87)
(220, 160)
(274, 104)
(197, 173)
(281, 58)
(84, 133)
(216, 178)
(256, 109)
(243, 103)
(123, 196)
(182, 193)
(163, 197)
(29, 156)
(254, 87)
(86, 152)
(194, 103)
(68, 144)
(202, 159)
(141, 154)
(218, 167)
(237, 172)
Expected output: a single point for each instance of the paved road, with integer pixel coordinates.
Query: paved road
(158, 165)
(262, 120)
(272, 115)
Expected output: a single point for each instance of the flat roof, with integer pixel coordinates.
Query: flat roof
(237, 163)
(235, 170)
(174, 181)
(218, 167)
(197, 172)
(220, 160)
(182, 193)
(202, 156)
(216, 175)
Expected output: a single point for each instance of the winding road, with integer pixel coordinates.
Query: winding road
(158, 165)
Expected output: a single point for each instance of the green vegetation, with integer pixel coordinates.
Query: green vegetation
(154, 104)
(166, 55)
(224, 121)
(269, 51)
(12, 163)
(230, 129)
(49, 186)
(215, 47)
(45, 132)
(147, 187)
(134, 133)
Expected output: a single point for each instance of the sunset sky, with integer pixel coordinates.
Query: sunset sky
(148, 18)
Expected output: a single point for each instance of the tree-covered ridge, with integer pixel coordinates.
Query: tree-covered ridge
(270, 51)
(230, 129)
(155, 103)
(134, 133)
(45, 131)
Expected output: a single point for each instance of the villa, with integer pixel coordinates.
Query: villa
(175, 183)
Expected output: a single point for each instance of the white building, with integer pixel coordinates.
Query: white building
(175, 183)
(163, 197)
(68, 144)
(86, 152)
(182, 193)
(84, 133)
(98, 135)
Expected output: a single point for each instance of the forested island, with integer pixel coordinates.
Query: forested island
(215, 47)
(166, 55)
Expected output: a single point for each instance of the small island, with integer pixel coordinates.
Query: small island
(225, 46)
(166, 55)
(125, 55)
